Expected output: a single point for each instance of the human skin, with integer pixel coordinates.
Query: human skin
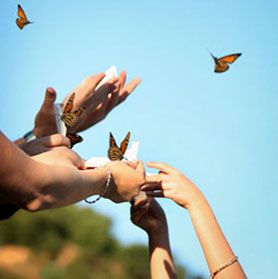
(57, 178)
(149, 216)
(170, 183)
(96, 104)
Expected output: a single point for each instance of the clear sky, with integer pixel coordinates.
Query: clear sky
(218, 129)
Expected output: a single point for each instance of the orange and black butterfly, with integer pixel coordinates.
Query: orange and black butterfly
(221, 64)
(68, 117)
(115, 152)
(74, 139)
(22, 20)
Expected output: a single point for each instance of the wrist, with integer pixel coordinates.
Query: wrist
(158, 232)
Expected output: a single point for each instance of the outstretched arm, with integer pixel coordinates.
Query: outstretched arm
(148, 215)
(57, 178)
(170, 183)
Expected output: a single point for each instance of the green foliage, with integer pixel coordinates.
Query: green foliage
(52, 271)
(100, 254)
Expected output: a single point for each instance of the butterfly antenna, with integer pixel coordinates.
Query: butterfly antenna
(213, 57)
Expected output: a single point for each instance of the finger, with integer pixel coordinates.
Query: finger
(122, 79)
(75, 159)
(153, 178)
(156, 194)
(137, 203)
(114, 100)
(100, 95)
(89, 84)
(131, 164)
(126, 90)
(50, 97)
(163, 167)
(140, 167)
(55, 140)
(82, 164)
(85, 89)
(151, 187)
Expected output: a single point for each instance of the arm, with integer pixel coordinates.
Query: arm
(148, 215)
(170, 183)
(36, 183)
(214, 244)
(57, 178)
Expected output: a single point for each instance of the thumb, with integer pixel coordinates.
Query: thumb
(50, 97)
(140, 167)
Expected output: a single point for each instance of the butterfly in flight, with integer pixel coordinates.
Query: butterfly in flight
(74, 139)
(116, 153)
(22, 20)
(68, 117)
(222, 63)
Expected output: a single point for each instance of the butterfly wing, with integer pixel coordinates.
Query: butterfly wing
(231, 58)
(69, 104)
(20, 23)
(124, 143)
(114, 152)
(21, 13)
(74, 139)
(22, 20)
(68, 117)
(221, 67)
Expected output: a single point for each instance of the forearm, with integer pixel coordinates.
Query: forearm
(67, 189)
(161, 262)
(214, 244)
(16, 173)
(34, 186)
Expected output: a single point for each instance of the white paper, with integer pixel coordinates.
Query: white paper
(130, 154)
(110, 73)
(61, 127)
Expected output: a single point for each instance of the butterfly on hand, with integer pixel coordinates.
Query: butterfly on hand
(221, 64)
(116, 153)
(68, 117)
(74, 139)
(22, 20)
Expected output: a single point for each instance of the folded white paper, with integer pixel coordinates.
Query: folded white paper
(110, 73)
(130, 154)
(61, 127)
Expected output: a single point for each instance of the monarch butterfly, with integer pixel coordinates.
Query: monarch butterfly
(74, 139)
(117, 153)
(22, 20)
(68, 117)
(221, 64)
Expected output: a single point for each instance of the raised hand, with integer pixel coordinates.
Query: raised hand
(148, 215)
(170, 183)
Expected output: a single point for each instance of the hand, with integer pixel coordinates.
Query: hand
(98, 103)
(61, 156)
(45, 123)
(44, 144)
(126, 181)
(148, 215)
(170, 183)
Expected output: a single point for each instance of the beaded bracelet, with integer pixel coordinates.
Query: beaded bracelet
(232, 261)
(105, 188)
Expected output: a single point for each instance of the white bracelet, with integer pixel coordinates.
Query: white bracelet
(105, 188)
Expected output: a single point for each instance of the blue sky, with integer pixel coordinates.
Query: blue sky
(219, 130)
